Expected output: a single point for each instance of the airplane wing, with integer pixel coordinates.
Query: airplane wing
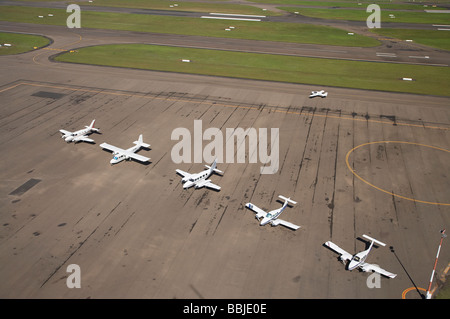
(259, 212)
(285, 223)
(112, 148)
(182, 173)
(137, 157)
(65, 132)
(207, 183)
(83, 138)
(371, 267)
(211, 185)
(344, 255)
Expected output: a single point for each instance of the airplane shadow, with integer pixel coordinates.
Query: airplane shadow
(401, 264)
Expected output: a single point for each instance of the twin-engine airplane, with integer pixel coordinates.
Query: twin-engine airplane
(272, 216)
(80, 135)
(357, 260)
(200, 179)
(121, 154)
(320, 93)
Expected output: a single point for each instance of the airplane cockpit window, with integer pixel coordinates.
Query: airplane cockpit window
(269, 215)
(115, 157)
(356, 258)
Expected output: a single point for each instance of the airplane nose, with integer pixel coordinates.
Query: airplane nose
(112, 162)
(352, 264)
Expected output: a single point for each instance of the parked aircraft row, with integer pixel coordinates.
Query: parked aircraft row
(355, 261)
(119, 154)
(199, 180)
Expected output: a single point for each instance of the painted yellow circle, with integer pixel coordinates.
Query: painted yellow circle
(383, 190)
(409, 289)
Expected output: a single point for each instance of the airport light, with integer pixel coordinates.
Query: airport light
(443, 235)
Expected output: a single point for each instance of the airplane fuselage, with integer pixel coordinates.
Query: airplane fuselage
(359, 258)
(72, 136)
(194, 179)
(272, 215)
(120, 157)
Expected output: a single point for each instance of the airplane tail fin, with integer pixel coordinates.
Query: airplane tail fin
(92, 126)
(374, 240)
(141, 143)
(213, 167)
(289, 200)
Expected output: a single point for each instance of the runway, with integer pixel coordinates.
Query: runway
(391, 51)
(134, 231)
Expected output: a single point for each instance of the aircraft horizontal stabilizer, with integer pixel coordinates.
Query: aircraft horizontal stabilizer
(215, 170)
(142, 144)
(287, 199)
(374, 240)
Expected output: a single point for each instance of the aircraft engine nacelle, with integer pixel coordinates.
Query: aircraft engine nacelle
(127, 157)
(201, 184)
(68, 138)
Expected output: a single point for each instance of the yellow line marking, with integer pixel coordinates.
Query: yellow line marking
(61, 50)
(385, 191)
(57, 49)
(236, 106)
(409, 289)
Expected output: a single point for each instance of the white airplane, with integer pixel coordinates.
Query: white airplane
(200, 179)
(121, 154)
(80, 135)
(358, 259)
(321, 93)
(272, 216)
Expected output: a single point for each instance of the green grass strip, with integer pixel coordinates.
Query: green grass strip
(181, 6)
(266, 31)
(433, 38)
(328, 72)
(351, 4)
(20, 43)
(362, 15)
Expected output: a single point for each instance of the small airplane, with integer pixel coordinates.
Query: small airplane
(272, 216)
(80, 135)
(121, 154)
(357, 260)
(200, 179)
(321, 93)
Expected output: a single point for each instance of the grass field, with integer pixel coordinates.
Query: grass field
(351, 4)
(444, 291)
(328, 72)
(362, 15)
(433, 38)
(267, 31)
(20, 43)
(211, 6)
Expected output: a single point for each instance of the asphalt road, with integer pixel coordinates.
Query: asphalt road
(390, 51)
(134, 231)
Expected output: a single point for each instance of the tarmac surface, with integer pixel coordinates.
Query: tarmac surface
(358, 162)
